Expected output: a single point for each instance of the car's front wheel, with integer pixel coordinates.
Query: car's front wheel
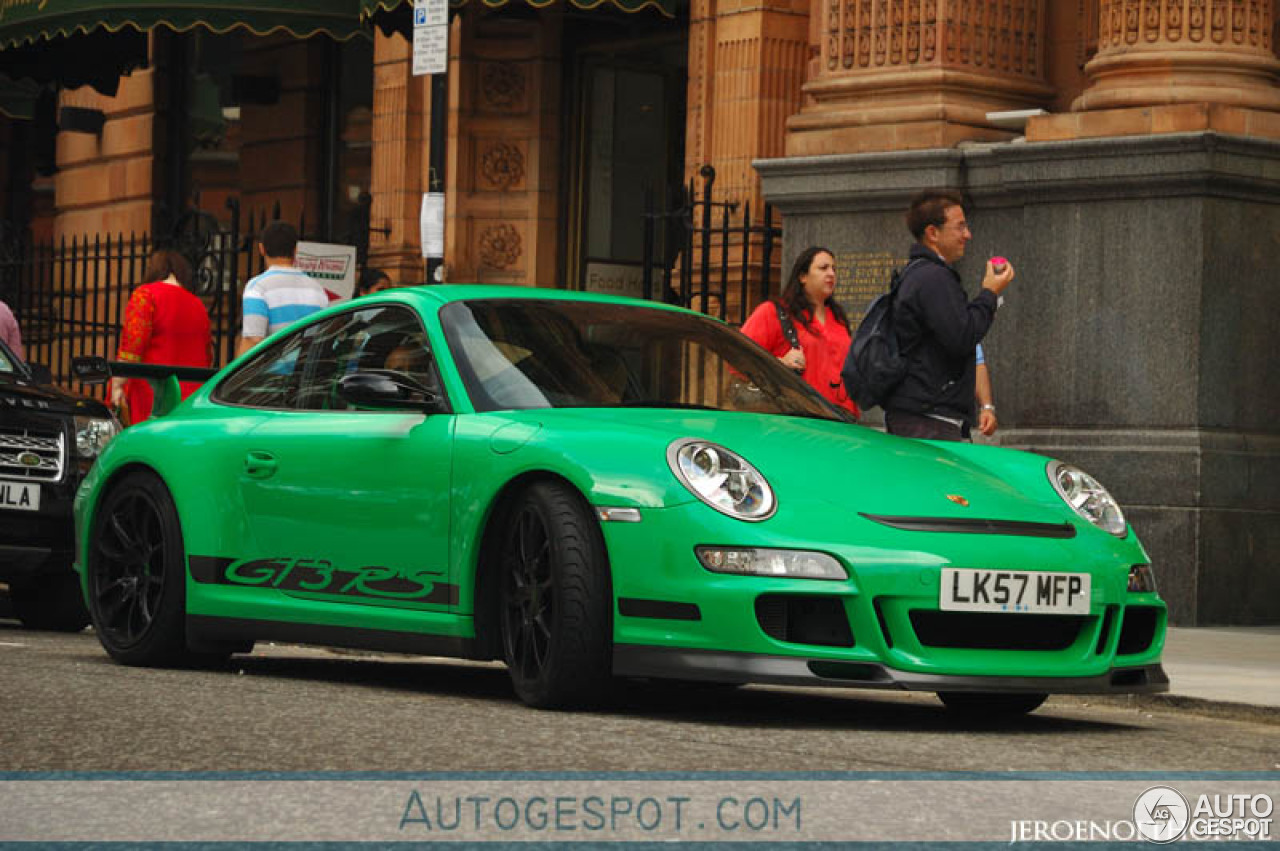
(978, 704)
(137, 574)
(51, 602)
(556, 599)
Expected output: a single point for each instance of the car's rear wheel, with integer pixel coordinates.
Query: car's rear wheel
(137, 574)
(556, 599)
(51, 602)
(979, 704)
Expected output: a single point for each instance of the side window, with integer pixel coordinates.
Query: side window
(375, 338)
(272, 378)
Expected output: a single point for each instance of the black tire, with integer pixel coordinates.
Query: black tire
(52, 602)
(556, 601)
(981, 704)
(137, 575)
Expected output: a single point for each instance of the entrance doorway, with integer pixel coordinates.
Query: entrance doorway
(626, 147)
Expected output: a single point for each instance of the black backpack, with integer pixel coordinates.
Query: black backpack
(874, 365)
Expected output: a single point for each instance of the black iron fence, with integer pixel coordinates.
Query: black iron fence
(723, 265)
(70, 295)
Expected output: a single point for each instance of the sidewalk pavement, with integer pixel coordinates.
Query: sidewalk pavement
(1229, 670)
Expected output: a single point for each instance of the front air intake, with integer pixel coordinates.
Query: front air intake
(804, 619)
(996, 630)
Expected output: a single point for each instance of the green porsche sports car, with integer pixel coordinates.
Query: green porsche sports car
(591, 488)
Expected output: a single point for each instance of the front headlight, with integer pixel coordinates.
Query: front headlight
(1086, 497)
(755, 561)
(93, 434)
(722, 479)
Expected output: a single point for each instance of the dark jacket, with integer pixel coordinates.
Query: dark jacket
(938, 328)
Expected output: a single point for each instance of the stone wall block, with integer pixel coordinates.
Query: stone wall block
(1137, 340)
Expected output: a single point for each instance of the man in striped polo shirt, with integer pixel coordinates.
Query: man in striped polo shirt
(282, 294)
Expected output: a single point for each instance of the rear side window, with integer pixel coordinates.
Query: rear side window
(302, 371)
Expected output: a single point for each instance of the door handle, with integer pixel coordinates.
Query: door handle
(259, 465)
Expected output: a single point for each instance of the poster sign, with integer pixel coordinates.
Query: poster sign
(334, 266)
(432, 224)
(615, 278)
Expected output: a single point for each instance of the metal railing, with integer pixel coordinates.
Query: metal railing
(724, 268)
(70, 295)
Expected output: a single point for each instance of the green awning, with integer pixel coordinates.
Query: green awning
(370, 8)
(24, 22)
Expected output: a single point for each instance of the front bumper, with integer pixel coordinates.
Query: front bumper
(720, 666)
(882, 627)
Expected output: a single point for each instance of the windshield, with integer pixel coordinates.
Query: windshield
(516, 354)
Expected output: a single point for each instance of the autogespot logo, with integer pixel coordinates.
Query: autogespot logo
(1161, 814)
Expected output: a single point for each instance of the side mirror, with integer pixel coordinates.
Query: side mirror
(90, 370)
(40, 373)
(386, 390)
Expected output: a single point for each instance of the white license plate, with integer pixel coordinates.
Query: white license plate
(19, 496)
(1023, 591)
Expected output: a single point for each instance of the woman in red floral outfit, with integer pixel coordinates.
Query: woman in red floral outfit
(164, 323)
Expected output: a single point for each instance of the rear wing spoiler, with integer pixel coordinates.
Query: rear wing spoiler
(162, 378)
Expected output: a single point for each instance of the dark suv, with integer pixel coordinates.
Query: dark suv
(48, 441)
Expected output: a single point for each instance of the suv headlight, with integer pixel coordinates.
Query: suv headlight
(93, 434)
(722, 479)
(1086, 497)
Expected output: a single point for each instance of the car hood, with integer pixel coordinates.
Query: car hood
(16, 392)
(854, 468)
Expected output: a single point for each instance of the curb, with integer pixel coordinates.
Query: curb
(1207, 707)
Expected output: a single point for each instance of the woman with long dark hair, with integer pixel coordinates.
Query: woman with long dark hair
(821, 327)
(164, 323)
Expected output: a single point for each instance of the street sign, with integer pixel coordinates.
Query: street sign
(430, 50)
(430, 36)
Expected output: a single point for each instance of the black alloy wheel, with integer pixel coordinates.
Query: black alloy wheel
(137, 575)
(556, 599)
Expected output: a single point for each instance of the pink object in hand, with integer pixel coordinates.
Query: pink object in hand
(998, 263)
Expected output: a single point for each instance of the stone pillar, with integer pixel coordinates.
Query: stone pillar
(401, 118)
(746, 69)
(502, 214)
(910, 74)
(1167, 66)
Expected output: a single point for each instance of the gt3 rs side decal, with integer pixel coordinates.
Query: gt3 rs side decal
(319, 576)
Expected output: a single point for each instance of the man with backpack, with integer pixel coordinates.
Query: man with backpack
(937, 326)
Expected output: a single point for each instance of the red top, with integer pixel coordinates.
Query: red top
(825, 346)
(165, 324)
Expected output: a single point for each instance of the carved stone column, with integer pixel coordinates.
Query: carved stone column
(1183, 51)
(1167, 66)
(502, 218)
(903, 74)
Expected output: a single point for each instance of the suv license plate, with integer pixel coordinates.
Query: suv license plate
(20, 496)
(1022, 591)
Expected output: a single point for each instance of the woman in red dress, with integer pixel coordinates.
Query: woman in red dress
(164, 323)
(822, 329)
